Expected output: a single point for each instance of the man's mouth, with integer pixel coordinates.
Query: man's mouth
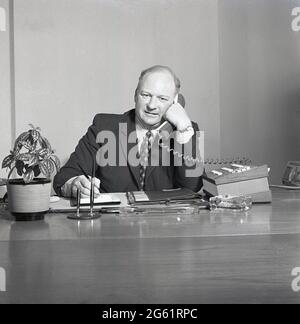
(151, 114)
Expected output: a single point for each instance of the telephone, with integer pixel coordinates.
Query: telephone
(291, 176)
(166, 125)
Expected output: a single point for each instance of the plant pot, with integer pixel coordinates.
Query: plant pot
(29, 201)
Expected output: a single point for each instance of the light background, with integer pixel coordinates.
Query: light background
(63, 61)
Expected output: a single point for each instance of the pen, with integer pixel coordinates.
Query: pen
(92, 180)
(92, 192)
(83, 171)
(78, 203)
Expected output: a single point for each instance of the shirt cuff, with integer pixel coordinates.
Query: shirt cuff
(182, 137)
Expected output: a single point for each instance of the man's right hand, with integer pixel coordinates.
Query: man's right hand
(84, 184)
(81, 182)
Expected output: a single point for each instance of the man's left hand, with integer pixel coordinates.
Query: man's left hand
(177, 116)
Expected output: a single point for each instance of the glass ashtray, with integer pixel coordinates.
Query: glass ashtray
(235, 203)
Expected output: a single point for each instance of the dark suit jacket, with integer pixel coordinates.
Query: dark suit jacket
(122, 178)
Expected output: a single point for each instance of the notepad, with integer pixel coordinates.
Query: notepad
(103, 199)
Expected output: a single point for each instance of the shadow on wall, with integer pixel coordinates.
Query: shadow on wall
(282, 142)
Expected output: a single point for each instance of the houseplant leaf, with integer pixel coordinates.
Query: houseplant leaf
(25, 157)
(44, 169)
(42, 153)
(36, 171)
(49, 165)
(35, 135)
(28, 176)
(56, 161)
(34, 160)
(21, 138)
(27, 144)
(45, 143)
(20, 167)
(7, 161)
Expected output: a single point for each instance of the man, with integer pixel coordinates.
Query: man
(136, 131)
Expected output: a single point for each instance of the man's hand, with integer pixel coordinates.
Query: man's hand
(177, 116)
(84, 184)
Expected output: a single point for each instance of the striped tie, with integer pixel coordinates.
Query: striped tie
(144, 157)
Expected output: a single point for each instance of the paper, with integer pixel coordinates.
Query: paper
(104, 198)
(67, 205)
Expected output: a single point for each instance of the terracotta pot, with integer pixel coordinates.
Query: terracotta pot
(29, 201)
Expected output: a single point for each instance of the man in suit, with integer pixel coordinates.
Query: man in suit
(118, 143)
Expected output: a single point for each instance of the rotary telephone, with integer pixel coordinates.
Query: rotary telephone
(291, 176)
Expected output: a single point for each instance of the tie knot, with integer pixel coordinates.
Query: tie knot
(148, 134)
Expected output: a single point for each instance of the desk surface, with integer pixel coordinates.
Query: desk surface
(211, 257)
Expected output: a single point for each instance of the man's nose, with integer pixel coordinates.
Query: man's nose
(152, 104)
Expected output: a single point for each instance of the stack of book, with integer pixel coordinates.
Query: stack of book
(235, 179)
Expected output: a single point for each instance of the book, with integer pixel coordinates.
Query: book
(236, 172)
(162, 196)
(239, 187)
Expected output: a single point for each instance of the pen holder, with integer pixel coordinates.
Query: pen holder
(90, 215)
(84, 216)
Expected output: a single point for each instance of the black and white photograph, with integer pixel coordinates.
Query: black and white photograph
(149, 155)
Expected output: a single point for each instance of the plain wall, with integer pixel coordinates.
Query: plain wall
(259, 82)
(5, 100)
(238, 61)
(77, 58)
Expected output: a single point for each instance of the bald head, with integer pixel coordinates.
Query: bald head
(163, 70)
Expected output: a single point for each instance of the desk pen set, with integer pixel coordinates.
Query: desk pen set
(87, 215)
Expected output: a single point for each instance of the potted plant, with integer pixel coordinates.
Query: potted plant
(34, 161)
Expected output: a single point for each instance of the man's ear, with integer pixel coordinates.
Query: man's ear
(181, 100)
(135, 95)
(176, 99)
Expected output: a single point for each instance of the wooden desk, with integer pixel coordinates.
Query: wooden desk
(211, 257)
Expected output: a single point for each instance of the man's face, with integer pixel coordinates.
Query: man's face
(154, 97)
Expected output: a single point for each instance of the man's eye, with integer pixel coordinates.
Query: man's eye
(145, 95)
(163, 99)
